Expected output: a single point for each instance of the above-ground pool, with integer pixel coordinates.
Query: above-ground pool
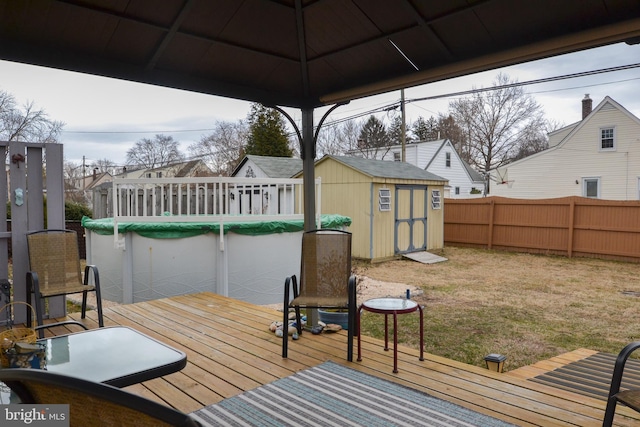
(159, 260)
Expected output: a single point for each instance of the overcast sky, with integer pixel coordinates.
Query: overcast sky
(105, 117)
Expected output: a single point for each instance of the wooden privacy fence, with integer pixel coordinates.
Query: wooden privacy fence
(570, 226)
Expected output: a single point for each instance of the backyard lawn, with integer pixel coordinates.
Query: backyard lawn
(527, 307)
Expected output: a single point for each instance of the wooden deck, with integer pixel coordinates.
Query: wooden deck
(230, 349)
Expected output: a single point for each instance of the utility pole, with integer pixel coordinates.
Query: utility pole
(403, 127)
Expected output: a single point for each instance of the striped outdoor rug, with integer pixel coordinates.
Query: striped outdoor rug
(591, 376)
(333, 395)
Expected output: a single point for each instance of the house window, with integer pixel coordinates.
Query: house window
(591, 188)
(384, 199)
(436, 201)
(396, 156)
(148, 174)
(457, 190)
(159, 175)
(607, 138)
(447, 161)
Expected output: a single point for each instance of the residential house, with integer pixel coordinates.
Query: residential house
(597, 157)
(190, 169)
(253, 166)
(80, 190)
(440, 158)
(395, 207)
(273, 199)
(102, 198)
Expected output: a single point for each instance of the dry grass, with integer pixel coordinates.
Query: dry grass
(527, 307)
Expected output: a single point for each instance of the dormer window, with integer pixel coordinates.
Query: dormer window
(607, 139)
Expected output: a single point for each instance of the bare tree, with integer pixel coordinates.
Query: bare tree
(104, 165)
(495, 122)
(73, 175)
(160, 151)
(26, 122)
(534, 139)
(222, 149)
(338, 137)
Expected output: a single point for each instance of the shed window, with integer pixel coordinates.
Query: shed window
(447, 160)
(607, 139)
(436, 201)
(384, 199)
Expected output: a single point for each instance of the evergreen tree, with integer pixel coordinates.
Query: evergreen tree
(373, 141)
(425, 130)
(267, 133)
(395, 131)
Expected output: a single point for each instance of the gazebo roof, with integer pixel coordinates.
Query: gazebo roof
(303, 53)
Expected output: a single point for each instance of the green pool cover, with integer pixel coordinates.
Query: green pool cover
(176, 230)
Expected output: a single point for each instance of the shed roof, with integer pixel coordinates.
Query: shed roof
(385, 169)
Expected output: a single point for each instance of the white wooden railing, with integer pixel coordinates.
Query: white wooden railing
(212, 199)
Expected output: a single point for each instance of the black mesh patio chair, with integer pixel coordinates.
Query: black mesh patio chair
(325, 281)
(631, 397)
(54, 270)
(91, 403)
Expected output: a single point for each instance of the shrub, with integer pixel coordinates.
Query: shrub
(75, 211)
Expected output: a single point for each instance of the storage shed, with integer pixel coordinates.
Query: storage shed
(395, 207)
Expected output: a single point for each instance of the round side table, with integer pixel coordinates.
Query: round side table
(391, 306)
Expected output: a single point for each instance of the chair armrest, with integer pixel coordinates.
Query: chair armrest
(66, 322)
(94, 273)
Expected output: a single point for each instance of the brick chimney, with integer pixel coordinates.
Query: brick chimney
(587, 105)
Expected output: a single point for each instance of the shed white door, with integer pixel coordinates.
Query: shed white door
(411, 218)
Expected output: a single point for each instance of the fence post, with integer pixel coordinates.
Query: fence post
(490, 237)
(572, 209)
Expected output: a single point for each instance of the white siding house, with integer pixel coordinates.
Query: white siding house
(441, 159)
(271, 199)
(267, 167)
(597, 157)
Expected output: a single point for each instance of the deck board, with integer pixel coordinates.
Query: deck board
(230, 349)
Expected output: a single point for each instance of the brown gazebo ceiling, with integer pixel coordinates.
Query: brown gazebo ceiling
(303, 53)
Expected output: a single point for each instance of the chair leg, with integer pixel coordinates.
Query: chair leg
(285, 318)
(33, 288)
(84, 305)
(351, 332)
(96, 282)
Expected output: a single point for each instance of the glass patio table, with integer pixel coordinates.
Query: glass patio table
(117, 355)
(391, 306)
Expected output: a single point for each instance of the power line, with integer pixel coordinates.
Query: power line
(396, 104)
